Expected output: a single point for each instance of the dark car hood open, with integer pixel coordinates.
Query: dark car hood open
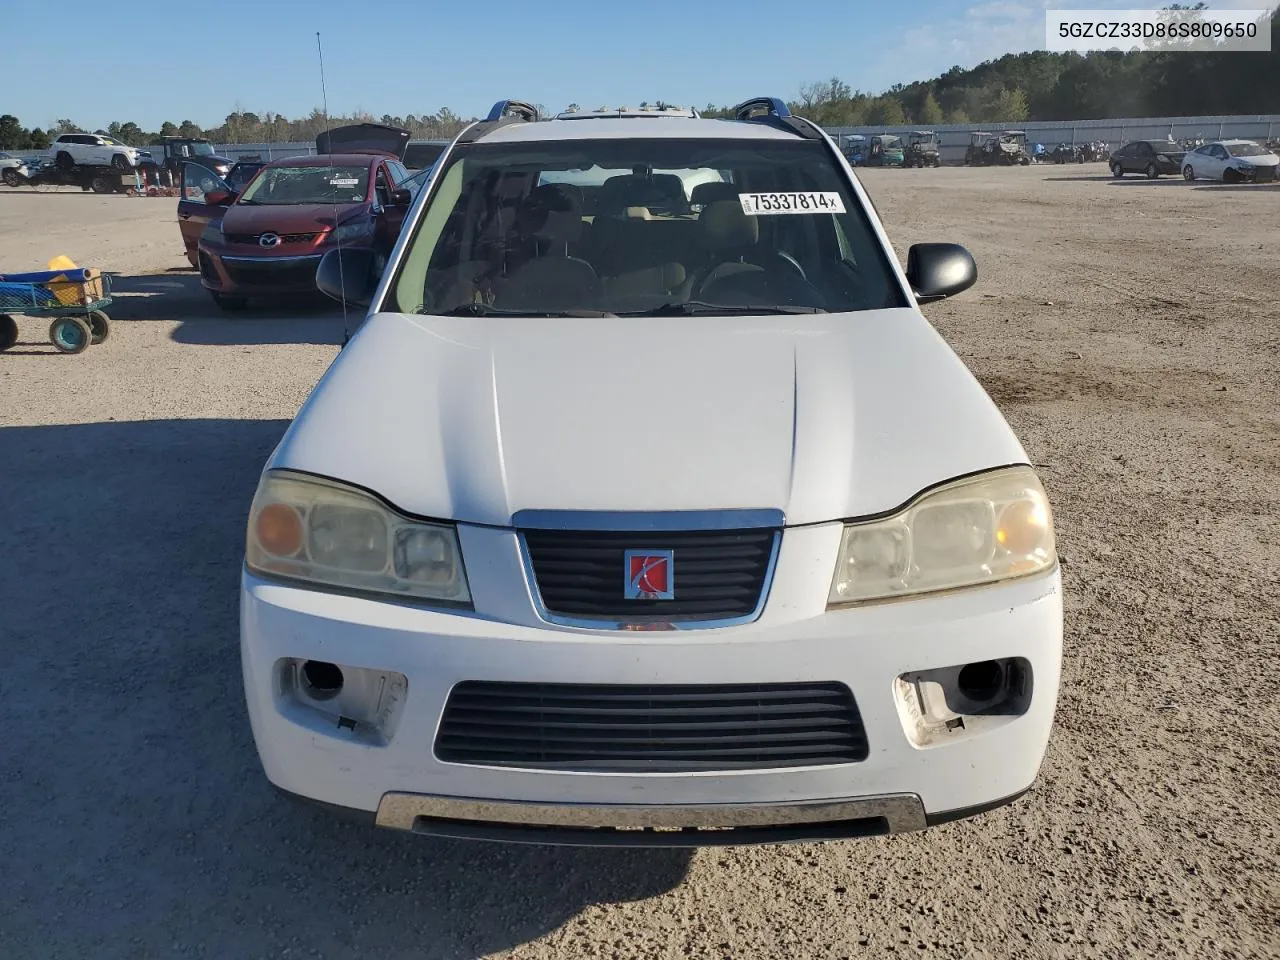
(371, 138)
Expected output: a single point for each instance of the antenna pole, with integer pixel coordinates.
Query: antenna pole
(342, 279)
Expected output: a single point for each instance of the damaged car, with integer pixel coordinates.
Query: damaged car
(268, 238)
(1231, 161)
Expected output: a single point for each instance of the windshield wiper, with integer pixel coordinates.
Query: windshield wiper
(485, 310)
(688, 308)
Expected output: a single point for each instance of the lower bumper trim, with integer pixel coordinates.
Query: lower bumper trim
(964, 813)
(662, 825)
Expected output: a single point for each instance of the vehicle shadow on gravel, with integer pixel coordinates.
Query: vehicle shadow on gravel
(137, 821)
(1132, 180)
(1136, 180)
(1251, 187)
(177, 295)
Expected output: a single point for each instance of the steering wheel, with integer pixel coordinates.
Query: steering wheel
(793, 263)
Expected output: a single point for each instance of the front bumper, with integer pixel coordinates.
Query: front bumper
(1257, 173)
(227, 270)
(899, 786)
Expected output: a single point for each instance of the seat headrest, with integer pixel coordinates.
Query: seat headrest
(632, 190)
(670, 186)
(551, 212)
(725, 228)
(705, 193)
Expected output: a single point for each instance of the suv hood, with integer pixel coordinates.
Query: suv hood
(823, 417)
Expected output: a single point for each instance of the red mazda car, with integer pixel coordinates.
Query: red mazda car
(268, 238)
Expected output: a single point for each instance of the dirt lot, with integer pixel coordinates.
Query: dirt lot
(1130, 332)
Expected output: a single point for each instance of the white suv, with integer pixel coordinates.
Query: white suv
(640, 514)
(90, 149)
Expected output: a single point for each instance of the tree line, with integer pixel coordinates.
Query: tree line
(238, 127)
(1012, 89)
(1060, 86)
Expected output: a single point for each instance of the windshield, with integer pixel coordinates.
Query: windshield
(112, 142)
(1245, 150)
(1165, 146)
(633, 226)
(309, 184)
(202, 149)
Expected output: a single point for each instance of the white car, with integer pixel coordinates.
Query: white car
(1231, 161)
(14, 171)
(649, 527)
(91, 149)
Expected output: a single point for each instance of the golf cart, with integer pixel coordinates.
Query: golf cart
(886, 151)
(1010, 148)
(975, 153)
(921, 150)
(990, 149)
(854, 148)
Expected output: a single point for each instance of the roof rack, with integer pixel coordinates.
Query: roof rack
(503, 112)
(750, 109)
(649, 110)
(513, 109)
(774, 112)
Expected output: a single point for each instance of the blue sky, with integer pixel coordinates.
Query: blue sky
(402, 57)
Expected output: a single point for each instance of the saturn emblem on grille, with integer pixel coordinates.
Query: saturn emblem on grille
(269, 240)
(649, 575)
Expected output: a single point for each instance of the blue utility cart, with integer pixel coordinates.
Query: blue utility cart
(76, 299)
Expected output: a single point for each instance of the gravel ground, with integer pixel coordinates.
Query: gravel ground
(1130, 332)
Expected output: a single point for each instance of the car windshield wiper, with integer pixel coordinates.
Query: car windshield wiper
(485, 310)
(688, 308)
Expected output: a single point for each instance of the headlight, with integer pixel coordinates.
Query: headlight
(975, 531)
(1162, 158)
(324, 532)
(351, 232)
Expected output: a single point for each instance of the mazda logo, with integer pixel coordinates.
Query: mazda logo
(268, 240)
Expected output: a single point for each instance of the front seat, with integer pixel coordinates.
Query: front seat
(549, 220)
(738, 270)
(729, 238)
(707, 193)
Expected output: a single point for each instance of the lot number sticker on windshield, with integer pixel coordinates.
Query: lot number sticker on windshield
(344, 182)
(768, 204)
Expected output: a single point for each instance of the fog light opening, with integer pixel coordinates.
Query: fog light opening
(982, 681)
(321, 680)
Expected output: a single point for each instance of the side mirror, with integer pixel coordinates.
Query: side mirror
(347, 276)
(938, 270)
(401, 197)
(219, 198)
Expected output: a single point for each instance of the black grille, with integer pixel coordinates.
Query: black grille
(716, 575)
(650, 729)
(272, 273)
(284, 237)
